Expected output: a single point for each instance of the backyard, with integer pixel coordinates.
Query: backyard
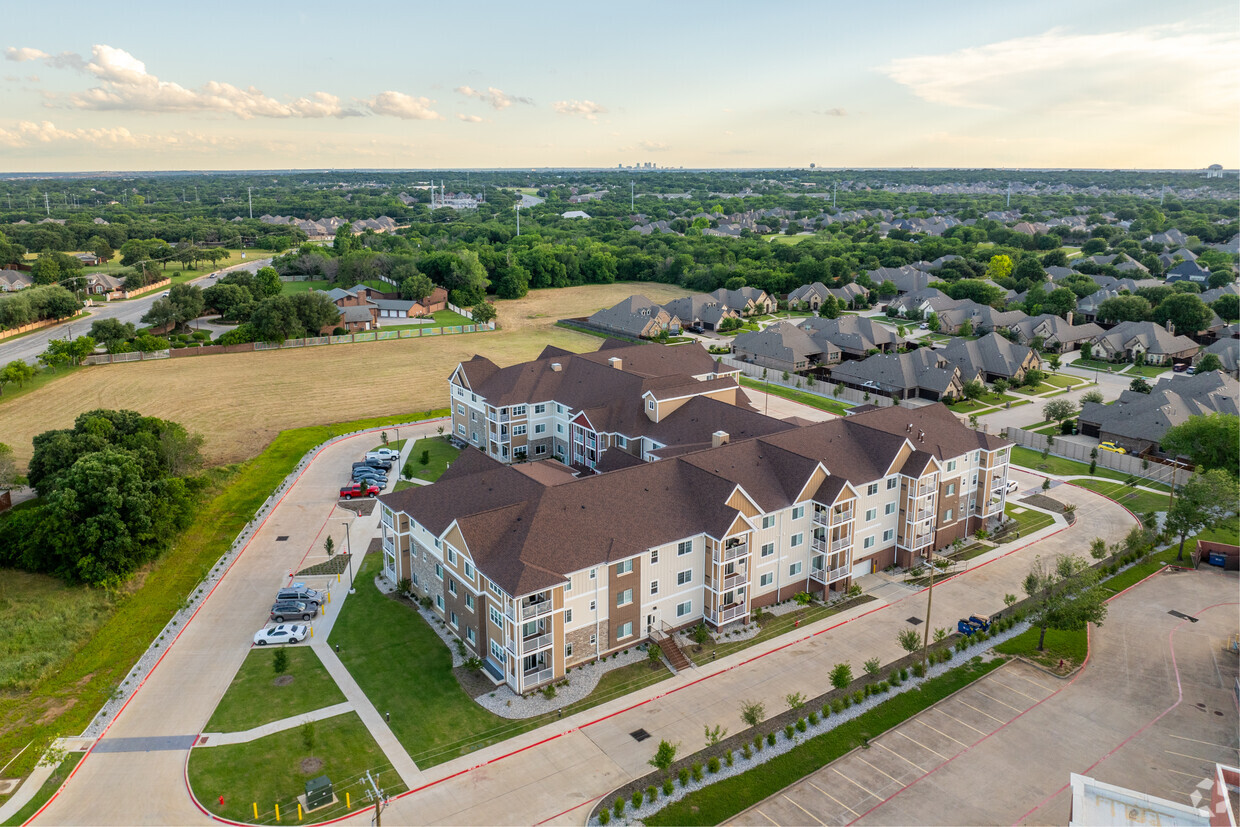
(823, 403)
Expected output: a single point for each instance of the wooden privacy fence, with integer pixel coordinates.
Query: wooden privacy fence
(1124, 463)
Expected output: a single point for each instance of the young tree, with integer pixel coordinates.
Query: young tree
(1203, 501)
(932, 322)
(1209, 362)
(664, 756)
(830, 308)
(267, 282)
(1055, 363)
(1211, 441)
(1092, 396)
(973, 389)
(872, 666)
(483, 312)
(841, 675)
(1057, 410)
(329, 546)
(1139, 385)
(752, 712)
(279, 661)
(1001, 385)
(307, 737)
(909, 640)
(17, 372)
(1064, 595)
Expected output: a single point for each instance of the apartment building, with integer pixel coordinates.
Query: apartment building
(538, 567)
(642, 400)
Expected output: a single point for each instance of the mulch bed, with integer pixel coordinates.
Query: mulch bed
(362, 508)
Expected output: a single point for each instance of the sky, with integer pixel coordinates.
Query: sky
(144, 86)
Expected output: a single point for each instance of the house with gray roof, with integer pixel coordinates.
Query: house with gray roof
(906, 279)
(1160, 345)
(854, 336)
(1189, 271)
(813, 295)
(11, 280)
(920, 374)
(783, 346)
(1228, 352)
(1138, 421)
(700, 310)
(748, 301)
(923, 302)
(982, 318)
(1057, 334)
(637, 317)
(993, 356)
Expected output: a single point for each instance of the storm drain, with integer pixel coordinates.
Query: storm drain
(639, 735)
(916, 621)
(281, 538)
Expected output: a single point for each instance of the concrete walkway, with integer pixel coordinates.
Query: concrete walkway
(218, 739)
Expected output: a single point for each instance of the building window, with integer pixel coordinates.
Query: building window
(684, 577)
(559, 428)
(626, 630)
(871, 514)
(888, 535)
(473, 437)
(685, 608)
(439, 601)
(518, 430)
(951, 512)
(621, 442)
(460, 429)
(568, 650)
(559, 408)
(796, 540)
(592, 607)
(654, 556)
(594, 641)
(654, 586)
(439, 571)
(568, 616)
(540, 428)
(625, 567)
(469, 634)
(768, 520)
(794, 569)
(593, 573)
(871, 489)
(540, 449)
(497, 651)
(460, 409)
(684, 547)
(469, 570)
(768, 549)
(518, 410)
(451, 586)
(451, 557)
(892, 483)
(624, 598)
(496, 617)
(869, 542)
(951, 489)
(568, 585)
(540, 408)
(766, 579)
(951, 465)
(469, 602)
(889, 508)
(650, 404)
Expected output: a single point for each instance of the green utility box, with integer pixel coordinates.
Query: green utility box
(318, 792)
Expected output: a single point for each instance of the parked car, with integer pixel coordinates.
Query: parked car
(1112, 447)
(359, 489)
(285, 609)
(1192, 371)
(696, 328)
(1012, 486)
(923, 326)
(1180, 368)
(385, 454)
(379, 464)
(375, 477)
(284, 633)
(300, 592)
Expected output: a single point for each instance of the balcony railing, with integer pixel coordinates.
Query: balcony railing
(738, 550)
(732, 612)
(919, 540)
(994, 507)
(844, 516)
(533, 643)
(388, 545)
(536, 676)
(731, 581)
(825, 575)
(842, 543)
(542, 607)
(818, 544)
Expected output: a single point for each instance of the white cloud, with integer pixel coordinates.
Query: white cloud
(496, 97)
(28, 133)
(64, 60)
(653, 146)
(1152, 72)
(587, 109)
(406, 107)
(469, 118)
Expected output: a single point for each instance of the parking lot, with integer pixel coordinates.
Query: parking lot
(1152, 710)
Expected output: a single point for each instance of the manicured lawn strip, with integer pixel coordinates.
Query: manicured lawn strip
(1148, 370)
(393, 445)
(401, 485)
(450, 318)
(253, 699)
(1029, 458)
(42, 622)
(85, 680)
(43, 377)
(1028, 521)
(1134, 499)
(1153, 563)
(1062, 381)
(441, 454)
(1098, 365)
(1041, 388)
(771, 626)
(811, 399)
(289, 288)
(268, 771)
(987, 401)
(45, 792)
(720, 801)
(1069, 646)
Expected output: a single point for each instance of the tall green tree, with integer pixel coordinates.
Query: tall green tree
(1204, 501)
(1211, 441)
(17, 373)
(1186, 311)
(1064, 595)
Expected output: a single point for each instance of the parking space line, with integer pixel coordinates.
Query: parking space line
(962, 723)
(807, 812)
(987, 714)
(940, 732)
(901, 757)
(1196, 775)
(889, 775)
(833, 798)
(1013, 689)
(1035, 683)
(1206, 761)
(996, 700)
(1207, 743)
(923, 746)
(767, 817)
(855, 784)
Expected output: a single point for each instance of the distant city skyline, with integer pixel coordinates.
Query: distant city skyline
(1106, 85)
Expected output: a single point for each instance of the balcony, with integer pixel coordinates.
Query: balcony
(536, 608)
(533, 643)
(822, 517)
(388, 545)
(730, 553)
(825, 575)
(536, 676)
(818, 544)
(732, 612)
(842, 543)
(995, 506)
(919, 540)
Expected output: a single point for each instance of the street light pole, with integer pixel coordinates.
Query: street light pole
(348, 539)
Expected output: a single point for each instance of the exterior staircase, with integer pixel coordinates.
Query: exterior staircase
(671, 651)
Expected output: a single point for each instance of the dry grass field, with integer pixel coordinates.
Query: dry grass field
(240, 402)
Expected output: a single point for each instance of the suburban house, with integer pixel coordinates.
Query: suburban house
(1189, 271)
(583, 409)
(924, 302)
(1160, 345)
(919, 374)
(355, 319)
(537, 570)
(88, 259)
(784, 346)
(637, 317)
(993, 356)
(99, 284)
(1228, 352)
(1057, 334)
(907, 279)
(854, 336)
(1138, 421)
(813, 295)
(700, 310)
(11, 280)
(748, 301)
(982, 318)
(380, 307)
(1175, 257)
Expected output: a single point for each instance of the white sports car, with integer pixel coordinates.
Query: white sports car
(284, 633)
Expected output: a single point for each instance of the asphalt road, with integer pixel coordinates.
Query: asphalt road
(27, 348)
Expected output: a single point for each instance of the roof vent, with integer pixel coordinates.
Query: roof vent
(616, 362)
(719, 438)
(557, 367)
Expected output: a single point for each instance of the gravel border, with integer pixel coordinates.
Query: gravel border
(581, 682)
(782, 745)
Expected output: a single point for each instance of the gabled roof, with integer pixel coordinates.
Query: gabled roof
(1171, 402)
(1059, 328)
(889, 372)
(783, 340)
(1153, 338)
(856, 333)
(991, 353)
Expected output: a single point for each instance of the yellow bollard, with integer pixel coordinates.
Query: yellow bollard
(329, 594)
(256, 811)
(277, 812)
(299, 811)
(311, 631)
(337, 577)
(347, 804)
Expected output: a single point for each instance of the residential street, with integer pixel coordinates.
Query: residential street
(27, 348)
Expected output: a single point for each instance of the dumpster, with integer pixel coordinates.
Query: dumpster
(318, 792)
(1217, 559)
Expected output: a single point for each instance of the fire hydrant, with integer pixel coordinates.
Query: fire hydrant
(221, 801)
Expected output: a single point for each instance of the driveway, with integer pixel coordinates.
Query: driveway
(27, 348)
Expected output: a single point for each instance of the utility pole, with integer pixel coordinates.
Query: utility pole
(834, 186)
(518, 220)
(376, 795)
(47, 205)
(631, 196)
(925, 646)
(348, 540)
(249, 191)
(1009, 196)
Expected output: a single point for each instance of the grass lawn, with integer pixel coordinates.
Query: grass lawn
(780, 238)
(1029, 458)
(989, 400)
(401, 485)
(812, 399)
(1134, 499)
(1148, 370)
(1069, 646)
(272, 771)
(289, 288)
(1027, 522)
(1062, 381)
(440, 454)
(450, 318)
(1042, 387)
(77, 685)
(1098, 365)
(254, 699)
(393, 445)
(772, 626)
(10, 393)
(42, 622)
(720, 801)
(45, 792)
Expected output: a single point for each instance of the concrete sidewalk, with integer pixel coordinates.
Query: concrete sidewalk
(218, 739)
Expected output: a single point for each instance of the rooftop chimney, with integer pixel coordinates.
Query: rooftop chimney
(719, 438)
(1170, 327)
(557, 367)
(921, 436)
(1068, 318)
(616, 362)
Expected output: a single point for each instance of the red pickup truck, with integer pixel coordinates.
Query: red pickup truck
(359, 489)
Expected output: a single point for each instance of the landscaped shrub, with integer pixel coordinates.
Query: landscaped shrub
(788, 731)
(652, 793)
(747, 752)
(858, 697)
(947, 655)
(770, 738)
(618, 807)
(837, 706)
(883, 686)
(919, 669)
(683, 775)
(847, 701)
(712, 764)
(727, 758)
(604, 817)
(637, 799)
(757, 743)
(696, 770)
(903, 674)
(868, 690)
(801, 725)
(813, 719)
(668, 786)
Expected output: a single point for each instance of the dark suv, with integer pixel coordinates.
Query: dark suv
(291, 610)
(300, 592)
